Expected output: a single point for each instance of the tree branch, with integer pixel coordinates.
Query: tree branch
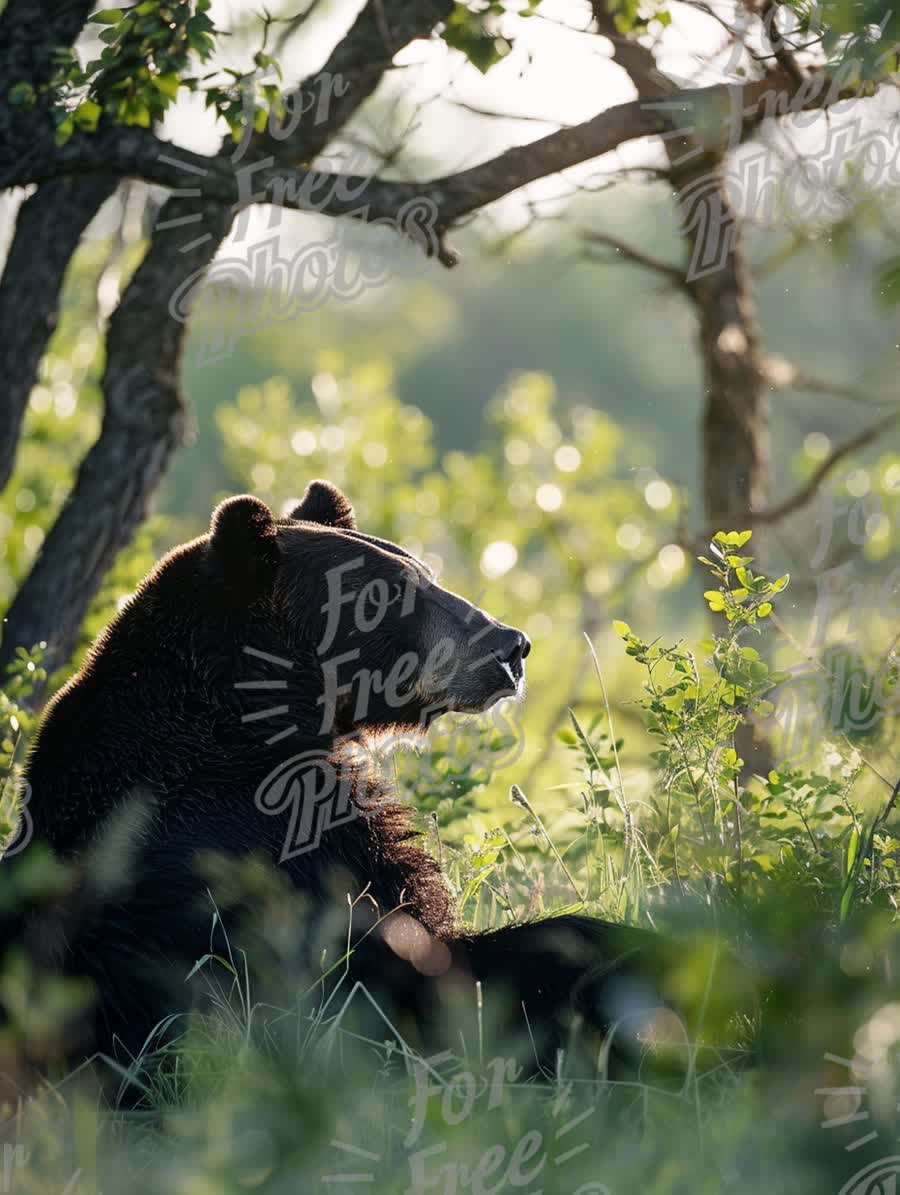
(634, 255)
(807, 492)
(784, 375)
(262, 179)
(782, 52)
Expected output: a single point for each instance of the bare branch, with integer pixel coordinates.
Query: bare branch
(637, 256)
(138, 152)
(784, 375)
(492, 114)
(292, 25)
(807, 492)
(782, 52)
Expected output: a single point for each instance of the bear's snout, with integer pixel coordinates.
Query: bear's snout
(514, 647)
(510, 649)
(499, 667)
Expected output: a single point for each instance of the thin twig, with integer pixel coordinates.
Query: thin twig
(784, 375)
(633, 255)
(808, 491)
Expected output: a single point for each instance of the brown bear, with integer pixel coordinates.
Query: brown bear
(221, 714)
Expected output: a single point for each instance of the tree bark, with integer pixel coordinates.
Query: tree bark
(29, 30)
(735, 438)
(49, 223)
(735, 434)
(49, 226)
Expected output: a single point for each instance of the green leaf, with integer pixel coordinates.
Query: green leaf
(622, 629)
(107, 16)
(468, 32)
(136, 112)
(852, 851)
(21, 95)
(65, 130)
(197, 26)
(87, 114)
(167, 85)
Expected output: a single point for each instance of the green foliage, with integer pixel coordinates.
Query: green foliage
(24, 677)
(32, 1007)
(61, 422)
(149, 53)
(633, 18)
(698, 825)
(461, 756)
(473, 30)
(550, 556)
(793, 843)
(147, 49)
(750, 600)
(858, 39)
(707, 827)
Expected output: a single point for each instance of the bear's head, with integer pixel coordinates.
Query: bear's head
(376, 640)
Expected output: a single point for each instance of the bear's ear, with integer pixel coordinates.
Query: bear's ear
(324, 503)
(244, 536)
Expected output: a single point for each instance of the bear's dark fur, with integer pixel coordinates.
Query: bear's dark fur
(161, 751)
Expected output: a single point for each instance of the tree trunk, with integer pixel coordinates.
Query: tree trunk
(49, 226)
(735, 435)
(734, 442)
(735, 429)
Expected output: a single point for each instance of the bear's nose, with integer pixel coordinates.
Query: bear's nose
(513, 647)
